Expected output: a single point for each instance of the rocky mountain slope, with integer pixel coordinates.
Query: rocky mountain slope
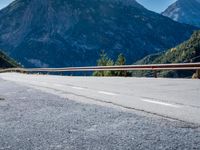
(186, 52)
(58, 33)
(7, 62)
(184, 11)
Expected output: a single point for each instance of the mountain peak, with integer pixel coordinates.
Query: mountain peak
(184, 11)
(59, 33)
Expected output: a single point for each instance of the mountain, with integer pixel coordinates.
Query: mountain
(7, 62)
(184, 11)
(59, 33)
(189, 51)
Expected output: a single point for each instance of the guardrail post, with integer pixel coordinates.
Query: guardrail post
(198, 74)
(155, 73)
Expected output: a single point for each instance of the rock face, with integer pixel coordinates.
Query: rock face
(185, 11)
(59, 33)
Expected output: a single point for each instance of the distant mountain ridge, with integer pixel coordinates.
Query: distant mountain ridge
(188, 51)
(57, 33)
(184, 11)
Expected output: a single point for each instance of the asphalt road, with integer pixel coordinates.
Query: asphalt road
(51, 112)
(174, 98)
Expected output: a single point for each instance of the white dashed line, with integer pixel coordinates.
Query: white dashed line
(107, 93)
(159, 103)
(77, 88)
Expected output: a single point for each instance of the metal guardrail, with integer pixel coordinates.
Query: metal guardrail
(151, 67)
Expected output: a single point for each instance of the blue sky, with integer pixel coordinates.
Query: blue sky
(154, 5)
(4, 3)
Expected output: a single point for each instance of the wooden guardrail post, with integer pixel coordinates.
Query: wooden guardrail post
(198, 74)
(155, 73)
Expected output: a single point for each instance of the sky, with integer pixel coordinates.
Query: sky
(4, 3)
(154, 5)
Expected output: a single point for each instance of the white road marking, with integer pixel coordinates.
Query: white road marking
(77, 88)
(107, 93)
(159, 103)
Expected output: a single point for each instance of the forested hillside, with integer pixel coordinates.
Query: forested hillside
(188, 51)
(7, 62)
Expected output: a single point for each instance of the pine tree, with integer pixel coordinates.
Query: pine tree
(121, 60)
(104, 60)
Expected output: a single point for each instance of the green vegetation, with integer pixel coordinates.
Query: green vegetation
(189, 51)
(7, 62)
(121, 60)
(104, 60)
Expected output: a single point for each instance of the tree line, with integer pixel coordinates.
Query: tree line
(104, 60)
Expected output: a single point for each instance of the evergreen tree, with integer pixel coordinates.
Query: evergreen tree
(104, 60)
(121, 60)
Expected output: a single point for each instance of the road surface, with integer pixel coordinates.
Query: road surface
(57, 112)
(174, 98)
